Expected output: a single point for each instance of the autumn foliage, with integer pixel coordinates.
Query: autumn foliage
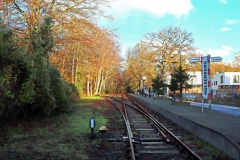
(52, 51)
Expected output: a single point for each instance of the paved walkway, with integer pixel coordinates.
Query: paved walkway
(227, 124)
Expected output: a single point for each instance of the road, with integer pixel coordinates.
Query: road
(220, 108)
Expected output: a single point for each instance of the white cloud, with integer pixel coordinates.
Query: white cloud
(159, 8)
(225, 29)
(223, 1)
(224, 51)
(199, 52)
(235, 21)
(162, 7)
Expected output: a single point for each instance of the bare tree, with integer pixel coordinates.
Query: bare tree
(169, 43)
(237, 60)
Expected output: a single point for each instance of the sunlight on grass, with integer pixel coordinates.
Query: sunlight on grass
(79, 123)
(92, 98)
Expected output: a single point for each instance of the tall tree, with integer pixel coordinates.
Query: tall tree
(159, 86)
(78, 39)
(171, 44)
(173, 86)
(139, 63)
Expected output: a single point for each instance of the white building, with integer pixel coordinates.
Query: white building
(224, 79)
(196, 82)
(195, 78)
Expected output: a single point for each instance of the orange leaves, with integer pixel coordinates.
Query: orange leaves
(8, 1)
(3, 3)
(89, 50)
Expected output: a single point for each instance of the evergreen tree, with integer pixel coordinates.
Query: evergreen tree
(16, 75)
(179, 81)
(173, 86)
(159, 85)
(29, 85)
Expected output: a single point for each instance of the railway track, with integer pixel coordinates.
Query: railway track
(145, 136)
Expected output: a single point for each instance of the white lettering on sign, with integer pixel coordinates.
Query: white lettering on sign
(194, 59)
(205, 77)
(216, 59)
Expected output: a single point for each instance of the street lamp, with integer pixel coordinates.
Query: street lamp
(162, 71)
(144, 79)
(180, 61)
(180, 45)
(174, 65)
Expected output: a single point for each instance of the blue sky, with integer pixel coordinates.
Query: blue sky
(214, 24)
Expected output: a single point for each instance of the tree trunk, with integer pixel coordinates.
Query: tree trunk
(63, 63)
(5, 13)
(98, 80)
(181, 88)
(76, 71)
(88, 88)
(73, 68)
(101, 87)
(91, 89)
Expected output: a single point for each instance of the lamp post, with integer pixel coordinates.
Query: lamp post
(149, 89)
(144, 79)
(174, 65)
(180, 61)
(162, 71)
(180, 45)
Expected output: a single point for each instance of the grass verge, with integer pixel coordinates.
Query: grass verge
(60, 137)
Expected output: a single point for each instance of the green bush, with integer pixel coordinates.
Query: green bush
(16, 77)
(61, 90)
(106, 91)
(75, 92)
(29, 85)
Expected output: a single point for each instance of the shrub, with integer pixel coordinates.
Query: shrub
(29, 85)
(106, 91)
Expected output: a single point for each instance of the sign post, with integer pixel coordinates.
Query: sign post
(206, 80)
(195, 59)
(216, 59)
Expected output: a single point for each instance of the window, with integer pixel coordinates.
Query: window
(235, 79)
(221, 79)
(215, 83)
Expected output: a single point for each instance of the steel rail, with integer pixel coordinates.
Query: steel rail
(129, 131)
(130, 135)
(155, 122)
(187, 149)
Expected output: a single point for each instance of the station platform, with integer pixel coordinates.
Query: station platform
(219, 129)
